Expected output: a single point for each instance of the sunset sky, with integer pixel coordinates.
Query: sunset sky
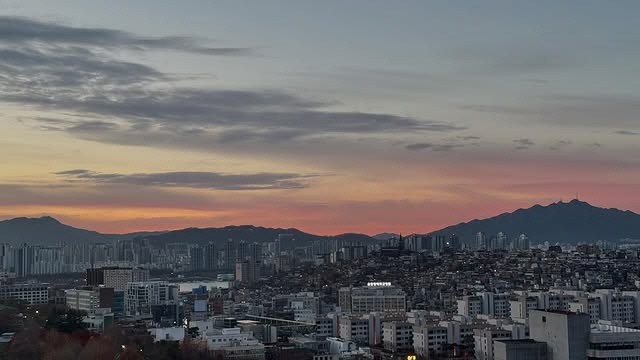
(329, 116)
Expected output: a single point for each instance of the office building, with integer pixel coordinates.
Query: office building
(566, 333)
(611, 342)
(30, 293)
(375, 297)
(141, 296)
(90, 300)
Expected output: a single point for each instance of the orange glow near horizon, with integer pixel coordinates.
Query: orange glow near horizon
(332, 219)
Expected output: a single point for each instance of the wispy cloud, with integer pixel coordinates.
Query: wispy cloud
(468, 137)
(518, 61)
(625, 132)
(18, 30)
(560, 144)
(190, 179)
(498, 109)
(523, 143)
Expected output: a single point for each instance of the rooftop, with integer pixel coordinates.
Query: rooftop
(605, 329)
(520, 341)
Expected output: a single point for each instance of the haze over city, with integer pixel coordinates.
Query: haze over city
(328, 116)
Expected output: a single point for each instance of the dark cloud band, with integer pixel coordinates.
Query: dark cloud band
(73, 70)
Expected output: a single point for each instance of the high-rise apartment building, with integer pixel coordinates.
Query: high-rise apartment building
(210, 257)
(196, 256)
(229, 255)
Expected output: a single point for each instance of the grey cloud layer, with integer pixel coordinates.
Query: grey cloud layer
(74, 70)
(198, 180)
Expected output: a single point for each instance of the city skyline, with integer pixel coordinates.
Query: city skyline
(372, 117)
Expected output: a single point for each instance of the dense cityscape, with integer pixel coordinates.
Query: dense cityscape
(319, 180)
(490, 297)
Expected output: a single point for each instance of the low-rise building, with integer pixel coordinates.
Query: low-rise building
(523, 349)
(176, 333)
(233, 343)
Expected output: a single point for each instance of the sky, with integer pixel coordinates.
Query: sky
(329, 116)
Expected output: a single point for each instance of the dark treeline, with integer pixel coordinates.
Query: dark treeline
(51, 332)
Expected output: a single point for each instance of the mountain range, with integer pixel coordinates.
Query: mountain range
(49, 231)
(561, 222)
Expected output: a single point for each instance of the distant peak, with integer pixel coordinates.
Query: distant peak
(49, 218)
(573, 202)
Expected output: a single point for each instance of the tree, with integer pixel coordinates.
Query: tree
(194, 332)
(130, 353)
(97, 348)
(9, 320)
(26, 345)
(164, 350)
(66, 321)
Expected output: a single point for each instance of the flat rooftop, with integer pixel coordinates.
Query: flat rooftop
(519, 341)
